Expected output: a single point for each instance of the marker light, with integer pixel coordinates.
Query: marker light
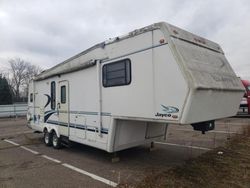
(162, 41)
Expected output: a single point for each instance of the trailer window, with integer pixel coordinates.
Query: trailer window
(31, 97)
(117, 73)
(53, 95)
(63, 94)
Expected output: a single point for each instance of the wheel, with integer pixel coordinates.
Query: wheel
(47, 138)
(56, 141)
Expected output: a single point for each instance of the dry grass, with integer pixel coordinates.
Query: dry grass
(212, 169)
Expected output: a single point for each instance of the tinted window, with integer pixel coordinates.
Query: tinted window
(63, 94)
(53, 95)
(116, 73)
(31, 97)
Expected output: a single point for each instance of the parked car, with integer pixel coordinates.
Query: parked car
(245, 101)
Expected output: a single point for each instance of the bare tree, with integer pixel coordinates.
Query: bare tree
(31, 72)
(21, 72)
(18, 68)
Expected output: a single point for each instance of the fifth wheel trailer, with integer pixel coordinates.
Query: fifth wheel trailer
(124, 92)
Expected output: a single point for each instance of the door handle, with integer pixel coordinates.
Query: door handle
(58, 107)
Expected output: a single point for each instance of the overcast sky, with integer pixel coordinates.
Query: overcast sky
(46, 32)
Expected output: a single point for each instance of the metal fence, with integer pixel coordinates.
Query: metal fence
(13, 110)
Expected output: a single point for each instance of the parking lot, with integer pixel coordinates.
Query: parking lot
(26, 162)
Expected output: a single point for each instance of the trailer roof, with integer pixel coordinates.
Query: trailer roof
(173, 31)
(50, 72)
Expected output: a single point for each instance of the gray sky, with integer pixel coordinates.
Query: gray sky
(47, 32)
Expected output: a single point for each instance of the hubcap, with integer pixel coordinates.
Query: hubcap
(55, 140)
(46, 138)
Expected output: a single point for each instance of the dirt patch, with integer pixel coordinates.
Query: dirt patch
(227, 166)
(4, 166)
(6, 179)
(30, 139)
(25, 165)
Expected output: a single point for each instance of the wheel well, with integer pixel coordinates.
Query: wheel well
(45, 130)
(51, 131)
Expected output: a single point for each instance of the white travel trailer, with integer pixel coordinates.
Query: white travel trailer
(125, 91)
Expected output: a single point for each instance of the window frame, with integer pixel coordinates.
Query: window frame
(125, 61)
(63, 99)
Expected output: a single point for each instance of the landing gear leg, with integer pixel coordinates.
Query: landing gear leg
(115, 157)
(152, 146)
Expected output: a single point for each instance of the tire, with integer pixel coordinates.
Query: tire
(56, 141)
(47, 138)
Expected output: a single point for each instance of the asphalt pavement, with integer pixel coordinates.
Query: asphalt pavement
(26, 162)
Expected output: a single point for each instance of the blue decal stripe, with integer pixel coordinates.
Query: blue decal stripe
(79, 112)
(48, 114)
(89, 113)
(78, 126)
(48, 101)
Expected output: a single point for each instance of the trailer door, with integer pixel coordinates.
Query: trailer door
(63, 106)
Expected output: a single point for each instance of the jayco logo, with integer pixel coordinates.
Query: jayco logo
(168, 110)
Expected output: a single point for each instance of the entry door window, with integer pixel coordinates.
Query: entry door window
(63, 94)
